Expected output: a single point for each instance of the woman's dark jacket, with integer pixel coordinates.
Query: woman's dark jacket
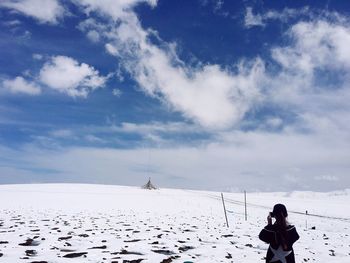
(281, 243)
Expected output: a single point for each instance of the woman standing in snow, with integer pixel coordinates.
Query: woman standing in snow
(280, 235)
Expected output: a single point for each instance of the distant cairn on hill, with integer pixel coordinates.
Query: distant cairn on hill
(149, 185)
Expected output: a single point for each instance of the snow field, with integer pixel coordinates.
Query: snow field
(128, 224)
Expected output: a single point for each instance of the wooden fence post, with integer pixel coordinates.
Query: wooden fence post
(223, 203)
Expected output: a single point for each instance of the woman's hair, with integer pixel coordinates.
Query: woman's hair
(280, 214)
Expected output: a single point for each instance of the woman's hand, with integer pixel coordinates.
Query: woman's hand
(269, 219)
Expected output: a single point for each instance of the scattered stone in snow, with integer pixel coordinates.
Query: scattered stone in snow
(64, 238)
(125, 252)
(167, 260)
(133, 260)
(30, 242)
(100, 247)
(75, 255)
(30, 252)
(228, 256)
(163, 251)
(133, 240)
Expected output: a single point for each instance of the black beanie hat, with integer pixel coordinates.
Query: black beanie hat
(280, 209)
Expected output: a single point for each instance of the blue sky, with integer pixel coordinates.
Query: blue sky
(205, 94)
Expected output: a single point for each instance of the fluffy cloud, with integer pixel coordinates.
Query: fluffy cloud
(45, 11)
(312, 83)
(251, 20)
(67, 75)
(211, 96)
(20, 85)
(115, 9)
(156, 127)
(63, 74)
(111, 49)
(62, 133)
(261, 19)
(207, 94)
(94, 36)
(317, 44)
(314, 68)
(117, 92)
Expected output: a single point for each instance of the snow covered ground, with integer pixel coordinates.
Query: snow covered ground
(99, 223)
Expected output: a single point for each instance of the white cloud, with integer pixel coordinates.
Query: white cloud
(38, 56)
(94, 36)
(115, 9)
(117, 92)
(45, 11)
(94, 139)
(251, 20)
(20, 85)
(11, 23)
(316, 49)
(156, 127)
(111, 49)
(67, 75)
(62, 133)
(287, 13)
(261, 19)
(317, 44)
(218, 5)
(207, 94)
(211, 96)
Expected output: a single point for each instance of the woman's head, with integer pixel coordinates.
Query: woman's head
(280, 210)
(280, 213)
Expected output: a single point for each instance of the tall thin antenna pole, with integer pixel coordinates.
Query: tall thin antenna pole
(245, 205)
(223, 203)
(148, 163)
